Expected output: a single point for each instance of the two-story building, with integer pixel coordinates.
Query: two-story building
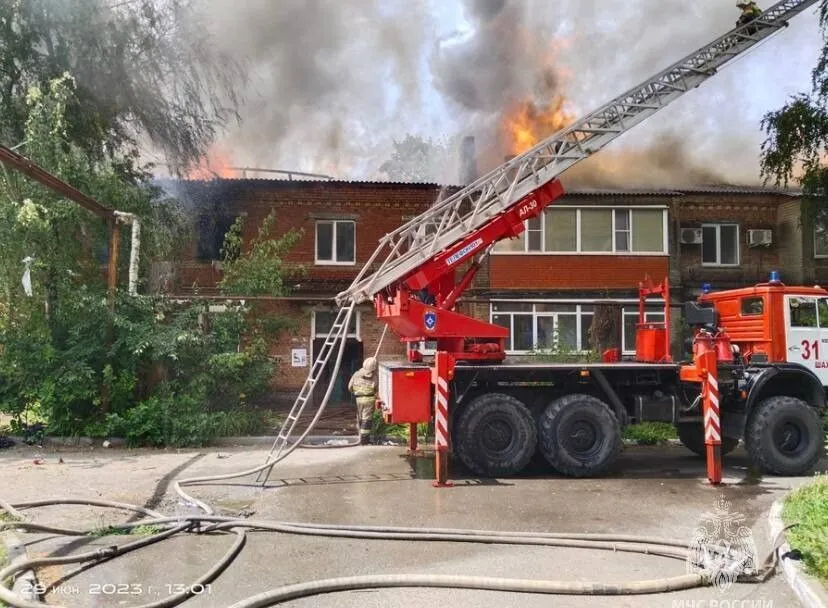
(592, 247)
(339, 222)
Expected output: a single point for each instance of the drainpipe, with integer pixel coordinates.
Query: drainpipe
(135, 247)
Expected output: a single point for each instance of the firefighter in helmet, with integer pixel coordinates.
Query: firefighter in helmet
(750, 11)
(363, 385)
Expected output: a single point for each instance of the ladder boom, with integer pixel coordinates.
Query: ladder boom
(401, 252)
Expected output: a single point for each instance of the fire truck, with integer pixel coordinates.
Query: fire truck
(758, 355)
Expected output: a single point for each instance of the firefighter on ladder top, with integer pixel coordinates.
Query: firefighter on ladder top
(750, 12)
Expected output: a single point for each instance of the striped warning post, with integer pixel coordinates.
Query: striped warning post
(441, 415)
(712, 425)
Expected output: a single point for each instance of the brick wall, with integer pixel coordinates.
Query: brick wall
(749, 211)
(567, 272)
(376, 208)
(789, 238)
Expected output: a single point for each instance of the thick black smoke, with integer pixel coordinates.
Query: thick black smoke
(334, 82)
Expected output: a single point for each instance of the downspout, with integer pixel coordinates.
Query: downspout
(135, 247)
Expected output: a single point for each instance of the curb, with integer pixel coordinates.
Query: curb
(807, 589)
(25, 583)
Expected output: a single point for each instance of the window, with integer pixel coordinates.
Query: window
(753, 306)
(323, 321)
(820, 242)
(597, 230)
(211, 231)
(631, 326)
(803, 312)
(561, 228)
(335, 242)
(720, 244)
(544, 326)
(623, 232)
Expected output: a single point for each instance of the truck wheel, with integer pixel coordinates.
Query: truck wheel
(580, 436)
(784, 436)
(495, 435)
(691, 435)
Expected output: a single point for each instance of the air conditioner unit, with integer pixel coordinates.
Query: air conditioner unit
(691, 236)
(759, 238)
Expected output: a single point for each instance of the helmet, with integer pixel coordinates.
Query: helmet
(369, 365)
(743, 3)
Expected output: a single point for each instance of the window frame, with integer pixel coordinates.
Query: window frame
(315, 335)
(718, 263)
(582, 308)
(819, 256)
(633, 312)
(665, 250)
(332, 262)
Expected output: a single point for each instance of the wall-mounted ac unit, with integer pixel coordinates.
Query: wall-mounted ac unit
(691, 236)
(760, 238)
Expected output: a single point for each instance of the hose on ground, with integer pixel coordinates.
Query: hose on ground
(193, 523)
(376, 581)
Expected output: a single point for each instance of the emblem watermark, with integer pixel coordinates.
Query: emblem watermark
(722, 548)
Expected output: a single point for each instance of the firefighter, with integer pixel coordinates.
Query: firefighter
(363, 386)
(750, 11)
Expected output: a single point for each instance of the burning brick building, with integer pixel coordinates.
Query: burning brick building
(591, 246)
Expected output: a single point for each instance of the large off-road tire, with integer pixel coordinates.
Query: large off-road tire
(691, 435)
(579, 435)
(495, 435)
(784, 436)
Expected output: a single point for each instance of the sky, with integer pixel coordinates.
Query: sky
(333, 84)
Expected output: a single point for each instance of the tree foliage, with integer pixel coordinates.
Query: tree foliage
(796, 141)
(257, 268)
(166, 372)
(143, 69)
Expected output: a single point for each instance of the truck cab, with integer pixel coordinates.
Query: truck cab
(774, 323)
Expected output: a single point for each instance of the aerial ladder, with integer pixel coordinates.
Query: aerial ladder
(417, 273)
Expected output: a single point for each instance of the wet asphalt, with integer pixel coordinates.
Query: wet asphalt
(652, 491)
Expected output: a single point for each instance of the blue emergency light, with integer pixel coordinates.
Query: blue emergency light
(707, 287)
(774, 277)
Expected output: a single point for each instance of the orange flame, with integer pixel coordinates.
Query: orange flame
(215, 165)
(526, 123)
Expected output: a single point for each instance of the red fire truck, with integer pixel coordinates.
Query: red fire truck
(754, 375)
(769, 345)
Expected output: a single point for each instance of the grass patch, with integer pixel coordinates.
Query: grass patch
(808, 507)
(649, 433)
(136, 531)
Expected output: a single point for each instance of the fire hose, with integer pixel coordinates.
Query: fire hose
(209, 523)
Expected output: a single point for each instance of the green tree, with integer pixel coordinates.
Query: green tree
(257, 268)
(796, 141)
(143, 70)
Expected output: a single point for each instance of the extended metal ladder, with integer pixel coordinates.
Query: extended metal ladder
(335, 340)
(449, 220)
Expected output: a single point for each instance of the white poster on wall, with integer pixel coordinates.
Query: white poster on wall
(299, 357)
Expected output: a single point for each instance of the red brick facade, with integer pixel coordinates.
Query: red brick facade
(573, 272)
(570, 281)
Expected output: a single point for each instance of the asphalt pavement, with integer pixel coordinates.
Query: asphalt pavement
(653, 491)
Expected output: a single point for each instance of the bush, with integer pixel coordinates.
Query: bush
(808, 508)
(650, 433)
(168, 374)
